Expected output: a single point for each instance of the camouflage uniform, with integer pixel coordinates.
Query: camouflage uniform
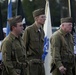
(34, 40)
(13, 55)
(62, 51)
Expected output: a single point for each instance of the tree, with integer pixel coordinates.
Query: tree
(55, 12)
(30, 6)
(57, 9)
(4, 12)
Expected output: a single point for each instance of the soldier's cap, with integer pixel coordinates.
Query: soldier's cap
(38, 12)
(67, 19)
(14, 20)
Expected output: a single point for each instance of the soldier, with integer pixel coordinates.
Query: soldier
(34, 40)
(13, 49)
(62, 49)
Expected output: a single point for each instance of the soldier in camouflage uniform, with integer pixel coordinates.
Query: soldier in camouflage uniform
(62, 49)
(34, 40)
(13, 49)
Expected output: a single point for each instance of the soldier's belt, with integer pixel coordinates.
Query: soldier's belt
(18, 65)
(36, 61)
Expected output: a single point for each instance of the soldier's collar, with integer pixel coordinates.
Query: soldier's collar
(36, 28)
(13, 36)
(63, 32)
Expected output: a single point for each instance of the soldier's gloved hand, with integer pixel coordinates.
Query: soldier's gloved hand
(62, 69)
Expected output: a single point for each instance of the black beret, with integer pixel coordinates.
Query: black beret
(12, 21)
(67, 19)
(38, 12)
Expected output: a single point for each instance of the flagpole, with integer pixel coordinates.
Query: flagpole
(69, 6)
(16, 7)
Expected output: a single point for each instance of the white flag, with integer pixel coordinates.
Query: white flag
(48, 33)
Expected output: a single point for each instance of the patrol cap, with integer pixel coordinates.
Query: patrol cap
(67, 19)
(12, 21)
(38, 12)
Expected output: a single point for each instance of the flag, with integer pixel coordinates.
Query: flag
(48, 32)
(9, 15)
(21, 12)
(1, 26)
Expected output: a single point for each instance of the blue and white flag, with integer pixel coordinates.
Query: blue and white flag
(9, 15)
(48, 32)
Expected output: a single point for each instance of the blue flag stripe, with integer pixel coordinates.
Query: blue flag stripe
(9, 15)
